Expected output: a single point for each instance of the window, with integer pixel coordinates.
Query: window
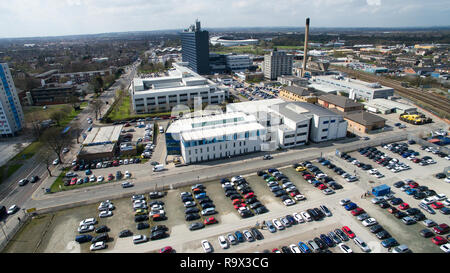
(332, 121)
(324, 137)
(302, 126)
(324, 130)
(326, 122)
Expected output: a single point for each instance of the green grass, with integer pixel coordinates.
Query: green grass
(122, 110)
(28, 152)
(8, 170)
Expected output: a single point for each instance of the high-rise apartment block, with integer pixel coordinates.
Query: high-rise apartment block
(277, 63)
(11, 114)
(195, 48)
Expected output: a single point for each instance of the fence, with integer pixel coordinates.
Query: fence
(11, 227)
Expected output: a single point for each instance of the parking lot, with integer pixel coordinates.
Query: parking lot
(59, 229)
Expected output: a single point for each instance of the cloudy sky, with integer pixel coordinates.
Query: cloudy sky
(25, 18)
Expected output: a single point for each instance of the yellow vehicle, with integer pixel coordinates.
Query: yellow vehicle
(140, 212)
(300, 169)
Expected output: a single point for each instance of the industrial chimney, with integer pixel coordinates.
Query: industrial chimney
(305, 54)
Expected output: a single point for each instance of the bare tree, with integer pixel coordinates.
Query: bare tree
(46, 156)
(56, 141)
(60, 115)
(96, 106)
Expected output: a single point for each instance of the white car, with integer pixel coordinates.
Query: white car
(125, 162)
(439, 197)
(345, 248)
(65, 150)
(98, 246)
(231, 239)
(127, 174)
(327, 191)
(88, 221)
(13, 209)
(344, 202)
(379, 175)
(105, 206)
(369, 222)
(92, 178)
(56, 162)
(277, 223)
(446, 202)
(223, 242)
(137, 239)
(359, 242)
(289, 202)
(298, 218)
(99, 165)
(428, 200)
(445, 247)
(429, 223)
(207, 248)
(105, 213)
(155, 212)
(85, 228)
(295, 248)
(100, 178)
(447, 180)
(373, 171)
(306, 215)
(299, 197)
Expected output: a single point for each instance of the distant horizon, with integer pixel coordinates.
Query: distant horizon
(301, 29)
(57, 18)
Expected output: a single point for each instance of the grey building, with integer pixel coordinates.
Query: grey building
(195, 48)
(277, 63)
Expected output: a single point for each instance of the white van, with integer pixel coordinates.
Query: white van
(161, 129)
(158, 168)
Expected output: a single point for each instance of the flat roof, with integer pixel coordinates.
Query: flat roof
(97, 149)
(103, 134)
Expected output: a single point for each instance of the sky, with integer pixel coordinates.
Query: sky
(32, 18)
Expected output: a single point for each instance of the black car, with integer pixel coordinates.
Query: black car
(246, 190)
(160, 234)
(319, 212)
(426, 233)
(400, 214)
(383, 235)
(285, 249)
(396, 201)
(261, 210)
(140, 218)
(384, 205)
(205, 200)
(255, 205)
(341, 235)
(102, 229)
(192, 216)
(261, 173)
(257, 234)
(419, 217)
(142, 225)
(160, 203)
(376, 228)
(399, 184)
(99, 238)
(34, 179)
(291, 219)
(422, 188)
(191, 210)
(320, 243)
(196, 225)
(155, 195)
(207, 205)
(159, 227)
(412, 211)
(430, 193)
(251, 200)
(186, 198)
(440, 175)
(234, 196)
(279, 193)
(419, 195)
(228, 193)
(125, 233)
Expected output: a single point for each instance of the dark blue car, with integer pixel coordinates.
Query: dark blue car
(239, 236)
(350, 206)
(327, 240)
(304, 248)
(83, 238)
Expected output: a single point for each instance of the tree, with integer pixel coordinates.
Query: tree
(60, 115)
(74, 102)
(46, 157)
(96, 106)
(55, 141)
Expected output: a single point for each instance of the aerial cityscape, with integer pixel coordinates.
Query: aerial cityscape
(246, 127)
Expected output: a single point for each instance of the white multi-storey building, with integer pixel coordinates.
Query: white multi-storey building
(238, 63)
(181, 87)
(12, 119)
(215, 136)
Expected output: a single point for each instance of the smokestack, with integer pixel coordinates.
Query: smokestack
(305, 54)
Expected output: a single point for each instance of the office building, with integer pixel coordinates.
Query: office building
(195, 48)
(51, 94)
(297, 93)
(277, 63)
(212, 137)
(181, 87)
(12, 119)
(238, 63)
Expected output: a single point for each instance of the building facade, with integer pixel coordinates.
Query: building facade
(296, 93)
(341, 103)
(181, 87)
(277, 63)
(12, 119)
(195, 48)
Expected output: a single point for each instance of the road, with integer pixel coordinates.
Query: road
(11, 193)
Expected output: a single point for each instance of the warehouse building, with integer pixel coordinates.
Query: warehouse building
(100, 143)
(355, 88)
(385, 106)
(340, 103)
(364, 122)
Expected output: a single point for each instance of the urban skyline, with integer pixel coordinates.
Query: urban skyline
(72, 17)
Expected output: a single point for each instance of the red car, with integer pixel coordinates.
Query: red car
(357, 211)
(249, 195)
(110, 177)
(413, 184)
(239, 205)
(308, 176)
(210, 220)
(167, 249)
(322, 187)
(438, 240)
(416, 160)
(392, 210)
(76, 168)
(437, 205)
(441, 229)
(237, 201)
(403, 206)
(276, 250)
(349, 232)
(115, 163)
(73, 181)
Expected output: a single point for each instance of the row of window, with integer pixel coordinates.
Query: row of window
(246, 136)
(241, 143)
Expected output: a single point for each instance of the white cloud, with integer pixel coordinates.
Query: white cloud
(374, 2)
